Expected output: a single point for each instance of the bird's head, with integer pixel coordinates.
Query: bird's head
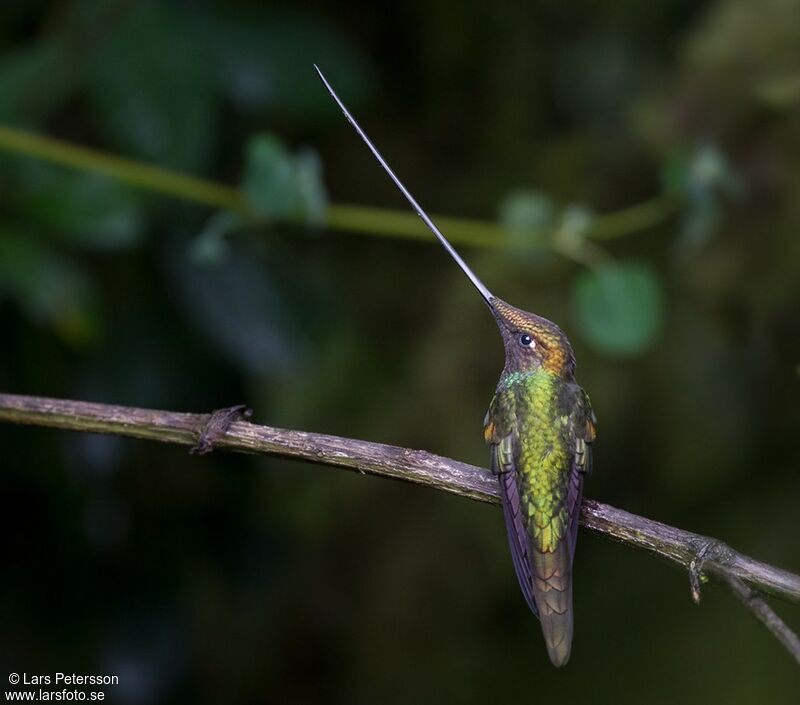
(532, 342)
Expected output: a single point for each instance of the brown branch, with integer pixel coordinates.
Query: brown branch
(699, 555)
(760, 609)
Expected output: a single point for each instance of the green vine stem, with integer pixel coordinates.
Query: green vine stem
(382, 222)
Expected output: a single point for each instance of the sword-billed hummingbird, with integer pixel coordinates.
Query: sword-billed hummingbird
(540, 427)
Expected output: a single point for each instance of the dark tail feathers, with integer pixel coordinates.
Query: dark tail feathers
(552, 587)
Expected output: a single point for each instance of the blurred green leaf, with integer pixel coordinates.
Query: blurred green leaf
(280, 186)
(573, 224)
(210, 246)
(268, 180)
(84, 208)
(702, 173)
(151, 89)
(49, 288)
(710, 171)
(528, 214)
(701, 179)
(310, 186)
(619, 308)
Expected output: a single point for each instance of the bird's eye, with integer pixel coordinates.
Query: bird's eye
(526, 341)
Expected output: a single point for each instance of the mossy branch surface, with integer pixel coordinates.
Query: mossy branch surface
(699, 555)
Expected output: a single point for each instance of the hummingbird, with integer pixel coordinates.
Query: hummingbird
(539, 428)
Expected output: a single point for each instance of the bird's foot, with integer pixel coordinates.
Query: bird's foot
(696, 577)
(216, 424)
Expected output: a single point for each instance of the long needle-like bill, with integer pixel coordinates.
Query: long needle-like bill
(484, 292)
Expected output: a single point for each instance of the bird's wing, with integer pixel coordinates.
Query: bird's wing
(582, 432)
(502, 457)
(503, 464)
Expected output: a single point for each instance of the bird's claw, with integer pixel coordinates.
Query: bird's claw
(215, 426)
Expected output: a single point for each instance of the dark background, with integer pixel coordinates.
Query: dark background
(237, 579)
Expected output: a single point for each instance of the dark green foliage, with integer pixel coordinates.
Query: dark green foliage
(619, 308)
(282, 187)
(233, 579)
(47, 287)
(529, 215)
(82, 209)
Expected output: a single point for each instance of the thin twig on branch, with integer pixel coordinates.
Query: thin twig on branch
(760, 609)
(699, 555)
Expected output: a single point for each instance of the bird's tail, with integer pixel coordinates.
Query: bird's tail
(552, 585)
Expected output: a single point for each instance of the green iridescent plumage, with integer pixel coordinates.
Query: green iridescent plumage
(539, 427)
(540, 410)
